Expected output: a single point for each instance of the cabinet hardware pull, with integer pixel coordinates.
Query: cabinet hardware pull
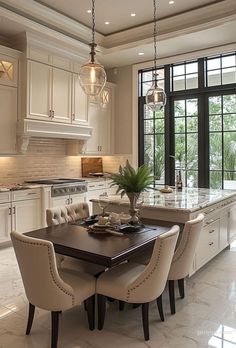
(210, 210)
(209, 222)
(211, 243)
(71, 200)
(91, 186)
(211, 231)
(67, 201)
(9, 211)
(73, 117)
(14, 210)
(52, 113)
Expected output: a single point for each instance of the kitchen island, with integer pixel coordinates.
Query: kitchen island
(218, 206)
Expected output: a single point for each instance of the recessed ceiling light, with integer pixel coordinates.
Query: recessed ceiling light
(89, 11)
(140, 53)
(107, 22)
(171, 2)
(133, 14)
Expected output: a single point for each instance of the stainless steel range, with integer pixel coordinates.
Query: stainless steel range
(64, 190)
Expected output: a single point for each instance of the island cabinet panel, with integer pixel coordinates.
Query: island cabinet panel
(232, 224)
(208, 244)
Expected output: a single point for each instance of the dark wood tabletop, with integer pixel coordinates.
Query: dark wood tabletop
(103, 249)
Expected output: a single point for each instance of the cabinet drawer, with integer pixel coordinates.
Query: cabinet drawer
(25, 194)
(96, 185)
(208, 244)
(5, 197)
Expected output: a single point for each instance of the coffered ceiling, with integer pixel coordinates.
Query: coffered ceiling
(118, 12)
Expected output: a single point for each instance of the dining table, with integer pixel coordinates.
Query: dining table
(103, 249)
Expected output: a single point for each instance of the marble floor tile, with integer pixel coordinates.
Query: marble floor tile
(206, 318)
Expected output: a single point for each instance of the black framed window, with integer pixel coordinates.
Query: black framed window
(196, 131)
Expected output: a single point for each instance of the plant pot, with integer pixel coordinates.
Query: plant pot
(133, 197)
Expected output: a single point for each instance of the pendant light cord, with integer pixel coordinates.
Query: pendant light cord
(155, 34)
(93, 21)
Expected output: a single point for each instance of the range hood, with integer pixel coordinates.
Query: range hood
(28, 128)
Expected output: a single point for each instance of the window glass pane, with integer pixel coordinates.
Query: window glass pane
(159, 125)
(180, 125)
(215, 123)
(149, 151)
(147, 76)
(230, 151)
(179, 83)
(230, 123)
(159, 114)
(178, 70)
(180, 151)
(191, 81)
(148, 113)
(159, 157)
(228, 75)
(230, 180)
(215, 105)
(146, 87)
(192, 124)
(191, 68)
(228, 61)
(214, 78)
(192, 178)
(215, 151)
(229, 103)
(179, 108)
(192, 151)
(191, 107)
(148, 126)
(216, 180)
(213, 63)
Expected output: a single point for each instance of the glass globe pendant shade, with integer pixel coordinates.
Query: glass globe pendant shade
(155, 97)
(92, 78)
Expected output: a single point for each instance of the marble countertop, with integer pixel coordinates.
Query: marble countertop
(190, 199)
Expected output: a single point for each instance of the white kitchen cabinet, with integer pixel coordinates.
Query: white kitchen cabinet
(26, 215)
(77, 198)
(55, 95)
(223, 236)
(100, 117)
(39, 91)
(232, 224)
(95, 189)
(61, 95)
(5, 221)
(79, 103)
(8, 119)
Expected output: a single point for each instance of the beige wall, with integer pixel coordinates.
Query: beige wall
(47, 158)
(122, 77)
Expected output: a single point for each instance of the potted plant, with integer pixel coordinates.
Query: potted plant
(132, 182)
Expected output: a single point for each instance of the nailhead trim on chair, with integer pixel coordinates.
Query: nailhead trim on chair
(51, 270)
(147, 277)
(183, 250)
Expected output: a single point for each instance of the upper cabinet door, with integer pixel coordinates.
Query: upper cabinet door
(8, 119)
(105, 116)
(79, 103)
(39, 91)
(61, 96)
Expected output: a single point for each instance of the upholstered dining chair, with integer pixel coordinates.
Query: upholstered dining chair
(183, 258)
(69, 213)
(48, 288)
(136, 283)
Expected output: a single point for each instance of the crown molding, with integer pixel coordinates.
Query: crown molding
(52, 19)
(205, 17)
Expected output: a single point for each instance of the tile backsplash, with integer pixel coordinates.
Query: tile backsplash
(46, 158)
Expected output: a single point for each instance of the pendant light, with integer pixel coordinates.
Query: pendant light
(92, 75)
(155, 97)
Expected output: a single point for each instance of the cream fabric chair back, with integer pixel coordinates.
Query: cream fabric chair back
(184, 254)
(72, 212)
(151, 282)
(43, 286)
